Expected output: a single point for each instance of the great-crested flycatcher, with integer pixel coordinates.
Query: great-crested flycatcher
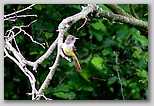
(69, 50)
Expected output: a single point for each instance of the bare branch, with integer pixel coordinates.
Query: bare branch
(24, 69)
(43, 57)
(63, 28)
(18, 58)
(13, 35)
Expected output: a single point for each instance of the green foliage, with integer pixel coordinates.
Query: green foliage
(99, 39)
(64, 92)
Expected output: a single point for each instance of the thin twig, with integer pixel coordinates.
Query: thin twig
(16, 12)
(25, 33)
(14, 18)
(133, 11)
(118, 10)
(64, 78)
(116, 59)
(29, 24)
(94, 78)
(83, 23)
(16, 45)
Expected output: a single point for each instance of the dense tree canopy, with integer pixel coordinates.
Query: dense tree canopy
(113, 55)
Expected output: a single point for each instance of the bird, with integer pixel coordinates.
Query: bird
(69, 50)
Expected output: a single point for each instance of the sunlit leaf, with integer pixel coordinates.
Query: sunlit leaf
(137, 53)
(97, 62)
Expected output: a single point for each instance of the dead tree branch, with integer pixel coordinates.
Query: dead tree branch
(19, 59)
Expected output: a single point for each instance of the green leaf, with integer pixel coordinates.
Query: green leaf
(111, 89)
(65, 95)
(124, 33)
(114, 67)
(44, 63)
(79, 83)
(112, 80)
(75, 6)
(142, 39)
(85, 74)
(87, 87)
(109, 42)
(64, 88)
(106, 52)
(97, 62)
(143, 73)
(99, 25)
(137, 53)
(48, 90)
(33, 52)
(43, 76)
(38, 6)
(146, 57)
(97, 34)
(104, 7)
(48, 35)
(57, 16)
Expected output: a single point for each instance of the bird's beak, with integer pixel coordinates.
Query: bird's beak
(77, 38)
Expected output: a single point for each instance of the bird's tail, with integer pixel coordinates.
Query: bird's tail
(77, 64)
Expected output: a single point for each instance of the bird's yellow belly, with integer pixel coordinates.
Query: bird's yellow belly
(68, 51)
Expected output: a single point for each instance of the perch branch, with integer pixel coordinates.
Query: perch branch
(43, 57)
(63, 27)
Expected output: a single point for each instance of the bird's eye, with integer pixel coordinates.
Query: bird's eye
(72, 38)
